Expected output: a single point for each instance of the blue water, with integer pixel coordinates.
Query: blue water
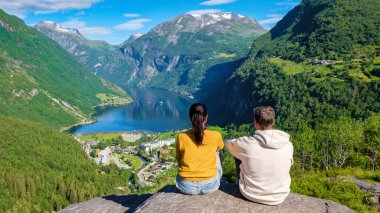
(153, 110)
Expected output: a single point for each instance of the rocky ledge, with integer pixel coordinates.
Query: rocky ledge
(226, 199)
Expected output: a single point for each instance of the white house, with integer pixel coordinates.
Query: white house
(156, 144)
(105, 155)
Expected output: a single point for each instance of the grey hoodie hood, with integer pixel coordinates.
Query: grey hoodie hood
(273, 139)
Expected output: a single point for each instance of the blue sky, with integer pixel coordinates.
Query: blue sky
(115, 20)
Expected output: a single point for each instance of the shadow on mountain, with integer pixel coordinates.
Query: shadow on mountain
(212, 90)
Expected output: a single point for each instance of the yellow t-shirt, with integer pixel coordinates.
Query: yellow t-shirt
(197, 163)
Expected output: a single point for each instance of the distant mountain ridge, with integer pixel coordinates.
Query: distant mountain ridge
(58, 27)
(174, 55)
(99, 56)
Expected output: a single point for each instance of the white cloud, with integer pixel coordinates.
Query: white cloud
(22, 7)
(200, 12)
(85, 30)
(270, 20)
(132, 24)
(131, 15)
(217, 2)
(275, 15)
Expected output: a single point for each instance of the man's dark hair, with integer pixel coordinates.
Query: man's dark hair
(264, 116)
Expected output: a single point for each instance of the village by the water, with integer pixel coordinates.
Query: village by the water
(148, 155)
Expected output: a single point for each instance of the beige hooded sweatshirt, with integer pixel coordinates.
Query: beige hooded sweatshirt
(266, 160)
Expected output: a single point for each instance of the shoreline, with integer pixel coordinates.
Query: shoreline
(113, 105)
(119, 132)
(91, 121)
(130, 132)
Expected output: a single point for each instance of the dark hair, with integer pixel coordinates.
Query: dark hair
(198, 114)
(264, 116)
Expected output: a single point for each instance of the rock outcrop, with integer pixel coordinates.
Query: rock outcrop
(226, 199)
(372, 187)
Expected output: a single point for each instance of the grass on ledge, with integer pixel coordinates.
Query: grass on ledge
(336, 185)
(110, 99)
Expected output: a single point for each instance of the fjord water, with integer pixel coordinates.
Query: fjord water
(154, 110)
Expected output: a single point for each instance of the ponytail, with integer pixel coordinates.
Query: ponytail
(198, 115)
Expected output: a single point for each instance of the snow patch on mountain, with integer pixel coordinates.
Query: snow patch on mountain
(209, 18)
(57, 27)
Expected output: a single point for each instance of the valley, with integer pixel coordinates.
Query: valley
(147, 155)
(82, 118)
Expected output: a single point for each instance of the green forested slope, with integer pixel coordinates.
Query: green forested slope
(40, 81)
(43, 169)
(323, 29)
(319, 67)
(320, 62)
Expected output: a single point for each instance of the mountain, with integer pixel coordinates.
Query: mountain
(40, 81)
(174, 55)
(320, 62)
(99, 56)
(177, 54)
(132, 38)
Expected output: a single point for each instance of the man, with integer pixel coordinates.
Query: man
(266, 158)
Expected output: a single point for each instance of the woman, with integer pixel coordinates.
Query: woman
(199, 167)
